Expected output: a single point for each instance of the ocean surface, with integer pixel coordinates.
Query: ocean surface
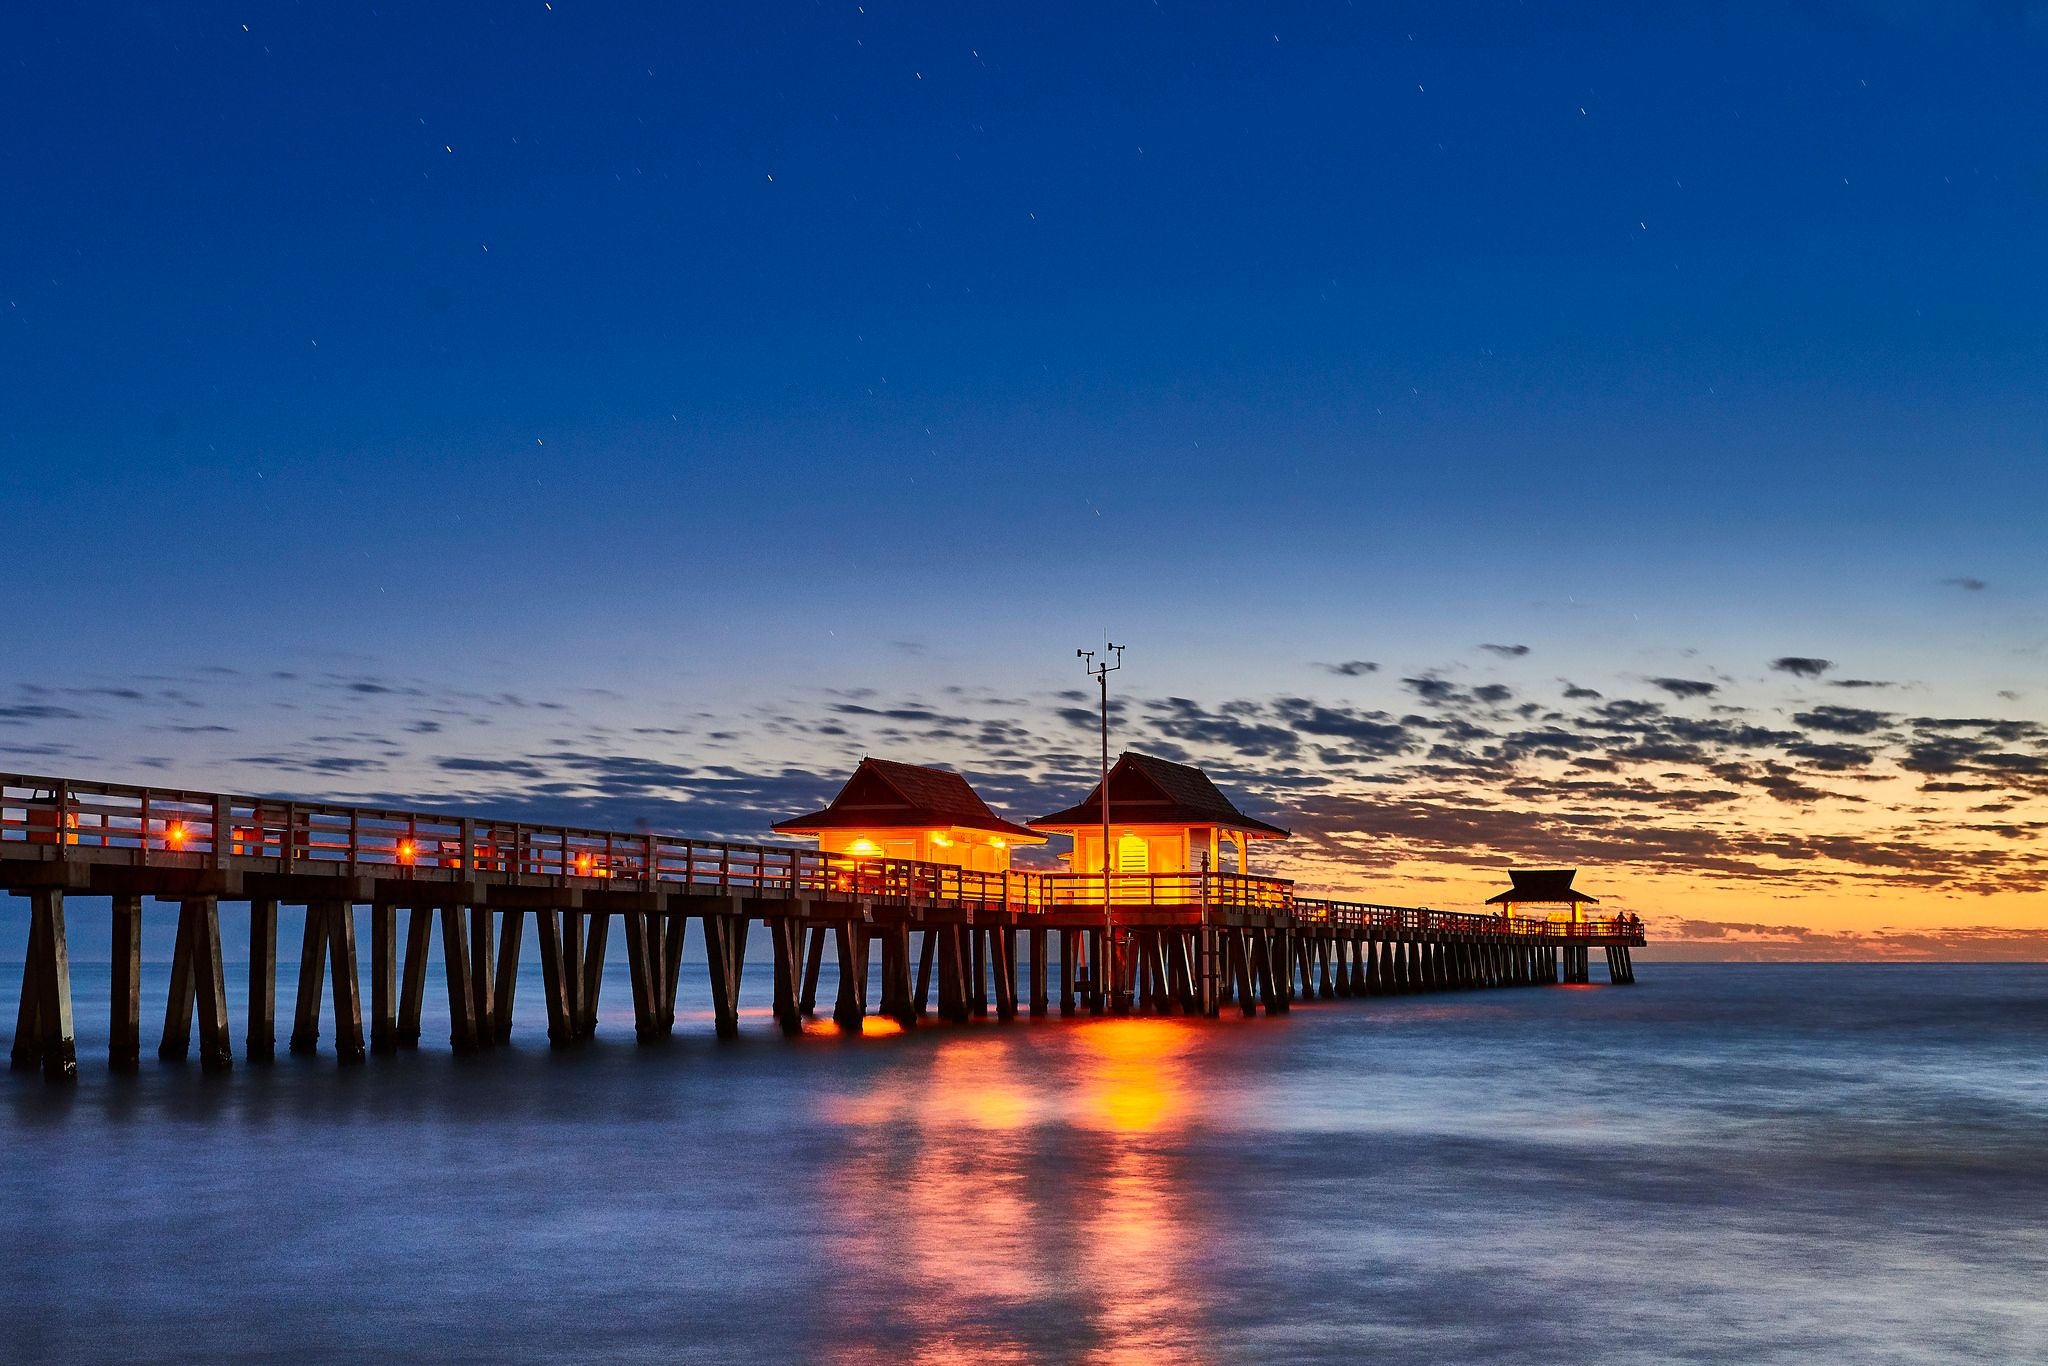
(1722, 1163)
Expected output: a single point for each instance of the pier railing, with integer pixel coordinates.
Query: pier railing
(179, 828)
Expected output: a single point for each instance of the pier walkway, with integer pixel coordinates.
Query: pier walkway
(1166, 943)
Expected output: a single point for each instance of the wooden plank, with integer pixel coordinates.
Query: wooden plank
(124, 1037)
(53, 988)
(312, 969)
(178, 1003)
(260, 1040)
(419, 931)
(655, 927)
(348, 991)
(512, 927)
(383, 978)
(210, 988)
(455, 962)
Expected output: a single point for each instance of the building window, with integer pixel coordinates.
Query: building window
(1132, 855)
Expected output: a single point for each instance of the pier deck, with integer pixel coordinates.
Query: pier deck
(1181, 943)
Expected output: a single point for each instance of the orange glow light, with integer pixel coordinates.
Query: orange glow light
(406, 851)
(583, 863)
(174, 834)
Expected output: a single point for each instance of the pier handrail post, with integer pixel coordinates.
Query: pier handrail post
(223, 829)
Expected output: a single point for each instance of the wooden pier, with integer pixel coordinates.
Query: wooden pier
(1180, 943)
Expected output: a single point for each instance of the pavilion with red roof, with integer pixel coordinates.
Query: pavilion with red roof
(893, 810)
(1164, 818)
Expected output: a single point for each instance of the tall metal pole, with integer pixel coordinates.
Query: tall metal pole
(1102, 672)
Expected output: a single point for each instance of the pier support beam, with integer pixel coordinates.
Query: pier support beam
(850, 942)
(483, 1005)
(383, 978)
(554, 977)
(419, 930)
(43, 1034)
(511, 929)
(814, 960)
(725, 952)
(124, 1038)
(927, 950)
(455, 961)
(1036, 948)
(261, 1039)
(1070, 949)
(785, 937)
(312, 968)
(197, 986)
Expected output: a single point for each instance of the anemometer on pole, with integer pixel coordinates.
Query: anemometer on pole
(1101, 672)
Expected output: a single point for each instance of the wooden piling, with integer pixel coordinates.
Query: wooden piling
(547, 926)
(209, 985)
(1005, 956)
(260, 1040)
(814, 961)
(455, 961)
(124, 1038)
(512, 928)
(785, 937)
(851, 948)
(640, 976)
(927, 949)
(1070, 947)
(482, 976)
(179, 1001)
(672, 961)
(312, 969)
(43, 1022)
(1035, 946)
(725, 947)
(348, 999)
(383, 978)
(419, 930)
(593, 972)
(28, 1018)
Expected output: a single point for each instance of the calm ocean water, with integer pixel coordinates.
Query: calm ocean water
(1736, 1163)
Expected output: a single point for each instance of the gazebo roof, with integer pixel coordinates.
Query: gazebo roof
(1148, 791)
(1540, 884)
(884, 795)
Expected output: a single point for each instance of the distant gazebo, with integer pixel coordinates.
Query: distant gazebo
(1543, 893)
(1164, 818)
(892, 810)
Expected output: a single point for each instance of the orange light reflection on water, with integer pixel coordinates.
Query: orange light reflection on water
(1024, 1192)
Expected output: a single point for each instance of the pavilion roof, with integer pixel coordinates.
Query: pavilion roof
(1540, 884)
(885, 795)
(1144, 790)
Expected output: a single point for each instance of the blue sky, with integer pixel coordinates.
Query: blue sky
(666, 365)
